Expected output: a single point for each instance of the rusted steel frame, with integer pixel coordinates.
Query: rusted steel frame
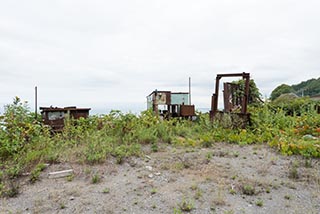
(226, 97)
(216, 94)
(214, 101)
(244, 75)
(246, 95)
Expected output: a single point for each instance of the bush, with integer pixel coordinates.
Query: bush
(18, 128)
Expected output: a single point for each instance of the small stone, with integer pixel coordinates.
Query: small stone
(133, 163)
(71, 198)
(150, 175)
(157, 173)
(309, 137)
(149, 168)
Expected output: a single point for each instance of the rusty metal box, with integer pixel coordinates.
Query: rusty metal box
(187, 110)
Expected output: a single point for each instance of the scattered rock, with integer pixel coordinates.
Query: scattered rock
(149, 168)
(309, 137)
(133, 163)
(26, 174)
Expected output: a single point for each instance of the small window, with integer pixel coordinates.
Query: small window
(56, 115)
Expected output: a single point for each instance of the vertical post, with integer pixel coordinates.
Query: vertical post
(155, 103)
(246, 96)
(214, 99)
(36, 102)
(189, 90)
(226, 97)
(216, 93)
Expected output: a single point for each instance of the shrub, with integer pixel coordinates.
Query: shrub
(186, 205)
(248, 189)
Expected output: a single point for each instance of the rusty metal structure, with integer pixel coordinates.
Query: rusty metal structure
(234, 104)
(54, 116)
(169, 104)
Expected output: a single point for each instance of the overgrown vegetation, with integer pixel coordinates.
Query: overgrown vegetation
(25, 144)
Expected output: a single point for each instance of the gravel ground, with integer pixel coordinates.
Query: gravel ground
(225, 178)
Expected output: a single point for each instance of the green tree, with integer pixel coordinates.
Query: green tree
(308, 88)
(282, 89)
(254, 94)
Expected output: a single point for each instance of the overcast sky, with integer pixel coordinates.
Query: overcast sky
(112, 54)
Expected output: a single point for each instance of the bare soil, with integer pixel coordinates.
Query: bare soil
(225, 178)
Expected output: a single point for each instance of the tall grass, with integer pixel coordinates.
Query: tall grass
(25, 143)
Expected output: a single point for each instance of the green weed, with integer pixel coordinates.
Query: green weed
(287, 197)
(70, 177)
(293, 172)
(186, 205)
(106, 190)
(232, 191)
(259, 203)
(154, 147)
(198, 194)
(35, 174)
(153, 191)
(13, 189)
(248, 189)
(96, 178)
(209, 156)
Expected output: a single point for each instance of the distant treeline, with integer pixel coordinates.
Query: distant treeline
(306, 88)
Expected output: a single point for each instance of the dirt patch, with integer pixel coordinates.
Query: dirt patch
(223, 179)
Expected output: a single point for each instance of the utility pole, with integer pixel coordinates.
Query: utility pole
(36, 102)
(189, 90)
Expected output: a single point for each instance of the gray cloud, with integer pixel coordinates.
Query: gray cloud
(104, 54)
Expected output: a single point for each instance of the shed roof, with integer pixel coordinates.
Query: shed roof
(69, 108)
(167, 92)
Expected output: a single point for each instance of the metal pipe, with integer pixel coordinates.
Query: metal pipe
(36, 103)
(189, 90)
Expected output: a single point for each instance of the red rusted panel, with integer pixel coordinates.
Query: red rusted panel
(226, 97)
(187, 110)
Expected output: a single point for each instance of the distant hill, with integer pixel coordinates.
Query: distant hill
(306, 88)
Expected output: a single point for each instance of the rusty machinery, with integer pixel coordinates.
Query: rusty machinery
(175, 104)
(233, 104)
(54, 116)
